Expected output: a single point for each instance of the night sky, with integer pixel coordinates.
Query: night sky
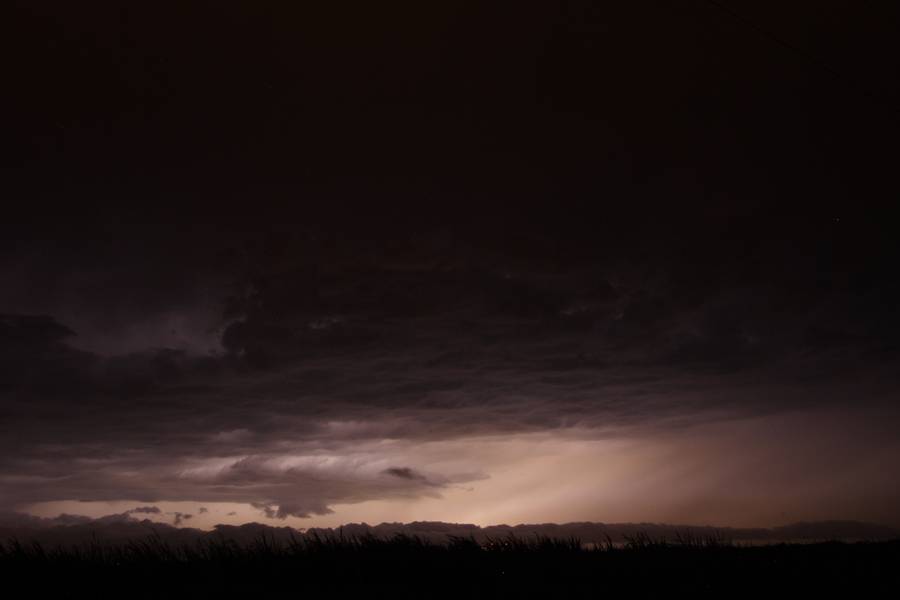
(309, 263)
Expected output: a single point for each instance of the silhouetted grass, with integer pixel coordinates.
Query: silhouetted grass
(408, 567)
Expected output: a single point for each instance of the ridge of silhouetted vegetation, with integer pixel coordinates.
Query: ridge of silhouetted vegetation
(410, 567)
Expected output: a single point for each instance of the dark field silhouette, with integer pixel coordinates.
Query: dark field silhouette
(406, 566)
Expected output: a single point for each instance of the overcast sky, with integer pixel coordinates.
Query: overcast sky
(447, 261)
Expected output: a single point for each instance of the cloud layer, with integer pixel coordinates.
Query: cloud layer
(335, 367)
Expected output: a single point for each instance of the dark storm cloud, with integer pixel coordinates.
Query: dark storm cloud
(33, 352)
(373, 346)
(598, 219)
(460, 352)
(268, 511)
(405, 473)
(149, 510)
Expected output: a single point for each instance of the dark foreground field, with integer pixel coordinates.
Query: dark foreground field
(406, 567)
